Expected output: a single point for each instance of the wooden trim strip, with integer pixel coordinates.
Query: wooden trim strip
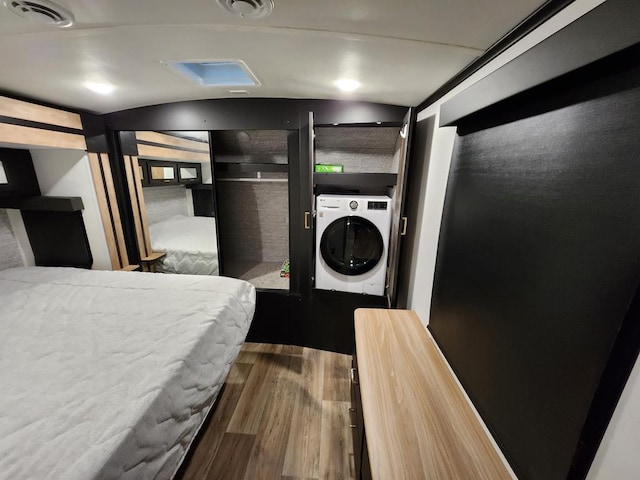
(105, 213)
(115, 210)
(135, 205)
(29, 136)
(37, 113)
(151, 151)
(172, 141)
(141, 204)
(418, 423)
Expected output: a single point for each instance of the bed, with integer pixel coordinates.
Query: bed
(189, 243)
(111, 374)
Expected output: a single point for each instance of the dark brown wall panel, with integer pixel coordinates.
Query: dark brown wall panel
(538, 262)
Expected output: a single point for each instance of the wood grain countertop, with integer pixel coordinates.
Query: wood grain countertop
(418, 423)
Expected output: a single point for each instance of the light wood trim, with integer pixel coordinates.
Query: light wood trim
(115, 210)
(10, 107)
(153, 256)
(418, 423)
(171, 141)
(131, 268)
(105, 214)
(135, 205)
(29, 136)
(135, 165)
(171, 154)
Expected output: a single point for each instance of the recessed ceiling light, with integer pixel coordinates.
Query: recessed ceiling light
(101, 88)
(347, 84)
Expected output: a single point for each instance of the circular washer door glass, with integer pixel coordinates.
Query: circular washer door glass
(351, 245)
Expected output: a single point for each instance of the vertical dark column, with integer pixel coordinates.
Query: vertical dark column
(116, 160)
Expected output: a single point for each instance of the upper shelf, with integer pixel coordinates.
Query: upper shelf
(356, 179)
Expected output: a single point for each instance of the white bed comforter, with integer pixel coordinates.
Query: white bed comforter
(190, 245)
(110, 374)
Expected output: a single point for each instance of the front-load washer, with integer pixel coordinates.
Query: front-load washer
(352, 243)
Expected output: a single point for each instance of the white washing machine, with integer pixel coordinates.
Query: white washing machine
(352, 243)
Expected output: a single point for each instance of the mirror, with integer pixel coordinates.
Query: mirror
(3, 175)
(177, 196)
(188, 173)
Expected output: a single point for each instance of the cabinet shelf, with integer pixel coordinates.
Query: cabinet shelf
(355, 179)
(223, 167)
(43, 204)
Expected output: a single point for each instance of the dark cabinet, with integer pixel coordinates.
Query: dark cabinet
(17, 175)
(162, 172)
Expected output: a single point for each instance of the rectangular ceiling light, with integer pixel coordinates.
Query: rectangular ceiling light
(217, 73)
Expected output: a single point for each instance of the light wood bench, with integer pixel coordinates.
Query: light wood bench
(417, 421)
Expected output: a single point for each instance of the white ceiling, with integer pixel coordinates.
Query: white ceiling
(400, 50)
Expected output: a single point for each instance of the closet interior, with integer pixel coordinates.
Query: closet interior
(252, 200)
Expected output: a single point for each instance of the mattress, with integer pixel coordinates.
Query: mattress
(109, 375)
(189, 243)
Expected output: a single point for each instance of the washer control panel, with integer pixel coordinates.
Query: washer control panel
(377, 205)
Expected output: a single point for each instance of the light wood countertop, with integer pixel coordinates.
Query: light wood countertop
(418, 423)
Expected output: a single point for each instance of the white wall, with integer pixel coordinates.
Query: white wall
(618, 456)
(207, 176)
(67, 173)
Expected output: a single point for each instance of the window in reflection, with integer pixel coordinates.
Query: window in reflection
(163, 173)
(188, 173)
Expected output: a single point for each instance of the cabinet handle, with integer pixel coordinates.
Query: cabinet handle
(351, 409)
(404, 226)
(353, 426)
(354, 380)
(307, 226)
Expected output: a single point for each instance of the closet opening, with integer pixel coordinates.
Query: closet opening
(251, 172)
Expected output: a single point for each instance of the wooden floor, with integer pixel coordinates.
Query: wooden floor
(283, 414)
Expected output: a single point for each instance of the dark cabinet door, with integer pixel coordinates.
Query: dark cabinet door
(399, 225)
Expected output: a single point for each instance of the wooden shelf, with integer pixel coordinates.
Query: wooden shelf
(43, 204)
(131, 268)
(375, 180)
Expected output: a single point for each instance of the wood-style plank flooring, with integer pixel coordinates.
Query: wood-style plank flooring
(283, 414)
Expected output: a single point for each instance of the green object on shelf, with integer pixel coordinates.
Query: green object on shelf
(329, 168)
(284, 270)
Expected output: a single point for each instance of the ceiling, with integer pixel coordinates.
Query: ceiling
(400, 51)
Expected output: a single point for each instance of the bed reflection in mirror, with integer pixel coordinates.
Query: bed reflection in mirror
(177, 195)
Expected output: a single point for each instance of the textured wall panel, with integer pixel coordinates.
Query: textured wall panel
(253, 220)
(359, 149)
(165, 202)
(539, 258)
(9, 252)
(250, 146)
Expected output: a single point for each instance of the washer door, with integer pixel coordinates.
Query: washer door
(351, 245)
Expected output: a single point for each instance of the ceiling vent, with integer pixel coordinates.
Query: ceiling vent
(251, 9)
(42, 12)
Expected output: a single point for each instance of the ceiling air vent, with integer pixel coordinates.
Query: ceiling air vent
(251, 9)
(41, 11)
